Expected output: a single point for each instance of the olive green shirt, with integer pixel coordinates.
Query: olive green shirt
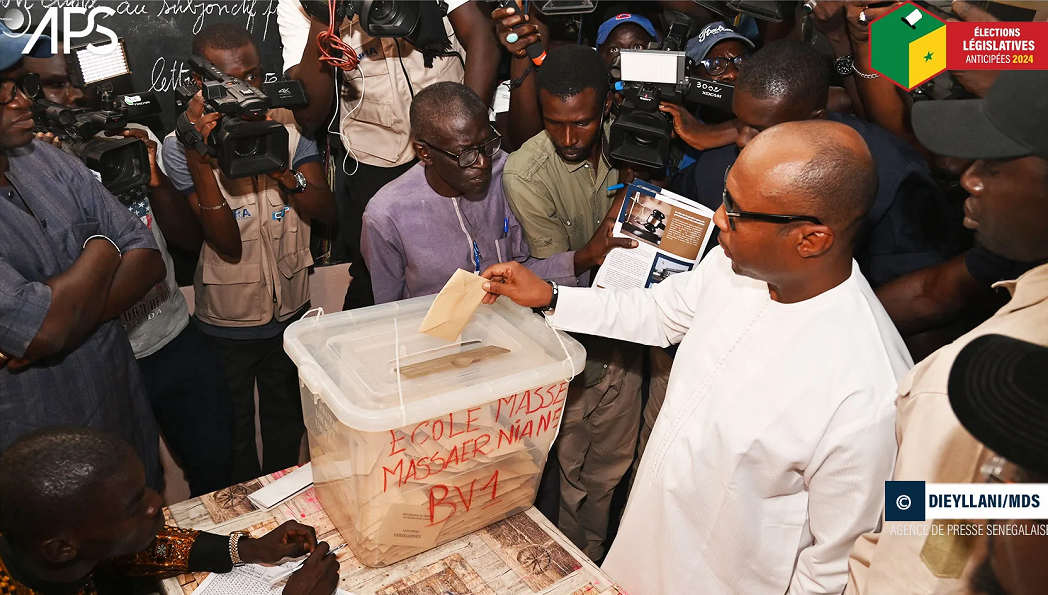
(560, 205)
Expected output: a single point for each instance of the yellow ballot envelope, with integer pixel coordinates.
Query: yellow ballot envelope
(453, 307)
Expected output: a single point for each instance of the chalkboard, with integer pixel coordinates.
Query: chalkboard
(158, 35)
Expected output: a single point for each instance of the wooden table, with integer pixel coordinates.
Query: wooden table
(522, 555)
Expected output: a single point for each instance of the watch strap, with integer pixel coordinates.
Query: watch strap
(553, 300)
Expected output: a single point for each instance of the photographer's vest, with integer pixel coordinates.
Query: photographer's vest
(271, 281)
(377, 96)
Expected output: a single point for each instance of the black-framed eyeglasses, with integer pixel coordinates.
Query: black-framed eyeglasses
(733, 212)
(718, 66)
(29, 85)
(468, 157)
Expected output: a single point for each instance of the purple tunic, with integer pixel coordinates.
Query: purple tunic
(414, 239)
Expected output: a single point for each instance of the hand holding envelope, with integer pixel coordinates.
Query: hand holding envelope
(454, 306)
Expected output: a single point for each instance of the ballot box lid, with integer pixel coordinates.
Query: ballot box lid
(349, 360)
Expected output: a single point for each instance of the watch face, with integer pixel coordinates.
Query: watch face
(843, 65)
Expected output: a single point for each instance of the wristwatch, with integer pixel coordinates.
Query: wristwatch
(845, 65)
(553, 299)
(300, 183)
(234, 549)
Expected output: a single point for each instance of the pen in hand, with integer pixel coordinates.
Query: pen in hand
(297, 567)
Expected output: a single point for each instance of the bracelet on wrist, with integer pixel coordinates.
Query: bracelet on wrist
(102, 237)
(845, 65)
(515, 83)
(234, 549)
(214, 208)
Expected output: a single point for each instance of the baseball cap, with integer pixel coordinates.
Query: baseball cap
(711, 35)
(607, 26)
(1009, 122)
(12, 44)
(999, 391)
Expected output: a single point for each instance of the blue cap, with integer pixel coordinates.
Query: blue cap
(711, 35)
(607, 26)
(12, 44)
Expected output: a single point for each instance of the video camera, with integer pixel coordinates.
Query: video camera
(244, 142)
(122, 164)
(419, 22)
(641, 133)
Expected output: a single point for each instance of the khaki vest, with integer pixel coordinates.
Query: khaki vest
(271, 281)
(377, 96)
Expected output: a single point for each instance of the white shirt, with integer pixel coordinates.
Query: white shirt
(162, 313)
(769, 455)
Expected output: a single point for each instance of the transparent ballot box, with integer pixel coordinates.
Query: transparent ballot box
(455, 441)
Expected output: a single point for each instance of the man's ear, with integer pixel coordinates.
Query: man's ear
(815, 240)
(60, 550)
(607, 103)
(422, 152)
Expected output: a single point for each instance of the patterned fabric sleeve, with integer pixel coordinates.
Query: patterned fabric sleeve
(168, 555)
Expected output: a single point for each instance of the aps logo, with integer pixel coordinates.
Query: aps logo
(19, 21)
(908, 46)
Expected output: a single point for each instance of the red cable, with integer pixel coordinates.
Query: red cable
(328, 41)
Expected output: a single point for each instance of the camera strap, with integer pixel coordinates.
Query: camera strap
(189, 136)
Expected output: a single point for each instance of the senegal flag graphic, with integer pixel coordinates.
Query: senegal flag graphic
(908, 46)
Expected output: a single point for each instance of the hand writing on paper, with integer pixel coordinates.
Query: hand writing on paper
(518, 283)
(318, 576)
(289, 540)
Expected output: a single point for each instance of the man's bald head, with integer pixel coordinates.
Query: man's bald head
(444, 106)
(819, 168)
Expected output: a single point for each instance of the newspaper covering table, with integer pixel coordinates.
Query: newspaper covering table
(522, 555)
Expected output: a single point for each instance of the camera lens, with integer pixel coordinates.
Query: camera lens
(644, 141)
(113, 166)
(382, 11)
(247, 146)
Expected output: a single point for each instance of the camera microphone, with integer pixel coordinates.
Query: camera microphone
(535, 51)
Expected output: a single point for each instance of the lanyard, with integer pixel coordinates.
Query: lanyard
(476, 258)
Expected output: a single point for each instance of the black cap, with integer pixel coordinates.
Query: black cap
(999, 391)
(1011, 121)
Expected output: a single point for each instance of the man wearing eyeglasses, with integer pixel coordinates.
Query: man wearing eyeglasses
(72, 259)
(717, 53)
(909, 227)
(769, 455)
(449, 211)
